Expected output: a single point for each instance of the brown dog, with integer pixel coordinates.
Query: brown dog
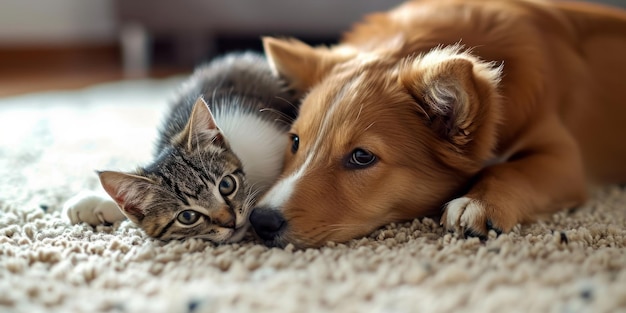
(495, 111)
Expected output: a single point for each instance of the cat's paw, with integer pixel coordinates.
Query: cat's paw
(472, 218)
(92, 208)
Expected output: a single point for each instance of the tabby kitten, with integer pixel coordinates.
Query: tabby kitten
(204, 178)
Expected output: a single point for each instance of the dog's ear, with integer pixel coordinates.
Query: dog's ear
(455, 92)
(301, 65)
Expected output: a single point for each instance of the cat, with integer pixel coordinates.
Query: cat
(211, 160)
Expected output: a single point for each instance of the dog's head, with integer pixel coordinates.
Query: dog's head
(377, 140)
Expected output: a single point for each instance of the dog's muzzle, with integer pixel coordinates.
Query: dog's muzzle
(267, 223)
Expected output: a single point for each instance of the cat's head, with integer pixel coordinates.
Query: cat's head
(194, 189)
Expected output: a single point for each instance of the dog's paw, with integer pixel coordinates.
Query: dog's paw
(471, 218)
(92, 208)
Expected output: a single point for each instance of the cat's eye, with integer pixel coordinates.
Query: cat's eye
(228, 185)
(361, 158)
(295, 143)
(188, 217)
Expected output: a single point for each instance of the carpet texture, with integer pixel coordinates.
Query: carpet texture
(50, 144)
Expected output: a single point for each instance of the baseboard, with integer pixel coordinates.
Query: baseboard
(63, 57)
(28, 69)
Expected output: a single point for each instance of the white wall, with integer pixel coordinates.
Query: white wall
(49, 22)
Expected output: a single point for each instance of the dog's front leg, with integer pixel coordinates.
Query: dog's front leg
(545, 176)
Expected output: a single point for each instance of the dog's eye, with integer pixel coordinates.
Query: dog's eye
(295, 143)
(188, 217)
(227, 185)
(361, 158)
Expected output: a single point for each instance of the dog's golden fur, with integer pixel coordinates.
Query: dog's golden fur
(491, 112)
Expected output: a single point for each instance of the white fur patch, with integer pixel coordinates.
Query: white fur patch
(281, 192)
(258, 143)
(491, 71)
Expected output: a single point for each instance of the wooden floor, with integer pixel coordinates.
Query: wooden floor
(47, 69)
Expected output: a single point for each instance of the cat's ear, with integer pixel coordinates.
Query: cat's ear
(201, 128)
(453, 91)
(128, 191)
(301, 65)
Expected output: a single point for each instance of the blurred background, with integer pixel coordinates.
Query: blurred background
(67, 44)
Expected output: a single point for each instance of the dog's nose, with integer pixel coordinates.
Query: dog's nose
(267, 223)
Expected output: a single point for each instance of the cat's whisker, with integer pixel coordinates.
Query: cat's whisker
(286, 116)
(295, 107)
(283, 122)
(251, 198)
(254, 190)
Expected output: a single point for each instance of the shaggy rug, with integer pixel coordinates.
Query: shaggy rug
(50, 145)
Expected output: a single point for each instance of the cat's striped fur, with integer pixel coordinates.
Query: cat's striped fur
(220, 146)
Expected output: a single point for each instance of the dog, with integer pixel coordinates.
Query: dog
(487, 113)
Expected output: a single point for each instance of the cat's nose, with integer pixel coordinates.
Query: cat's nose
(267, 223)
(224, 217)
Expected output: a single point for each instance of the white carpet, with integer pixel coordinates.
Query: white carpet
(50, 144)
